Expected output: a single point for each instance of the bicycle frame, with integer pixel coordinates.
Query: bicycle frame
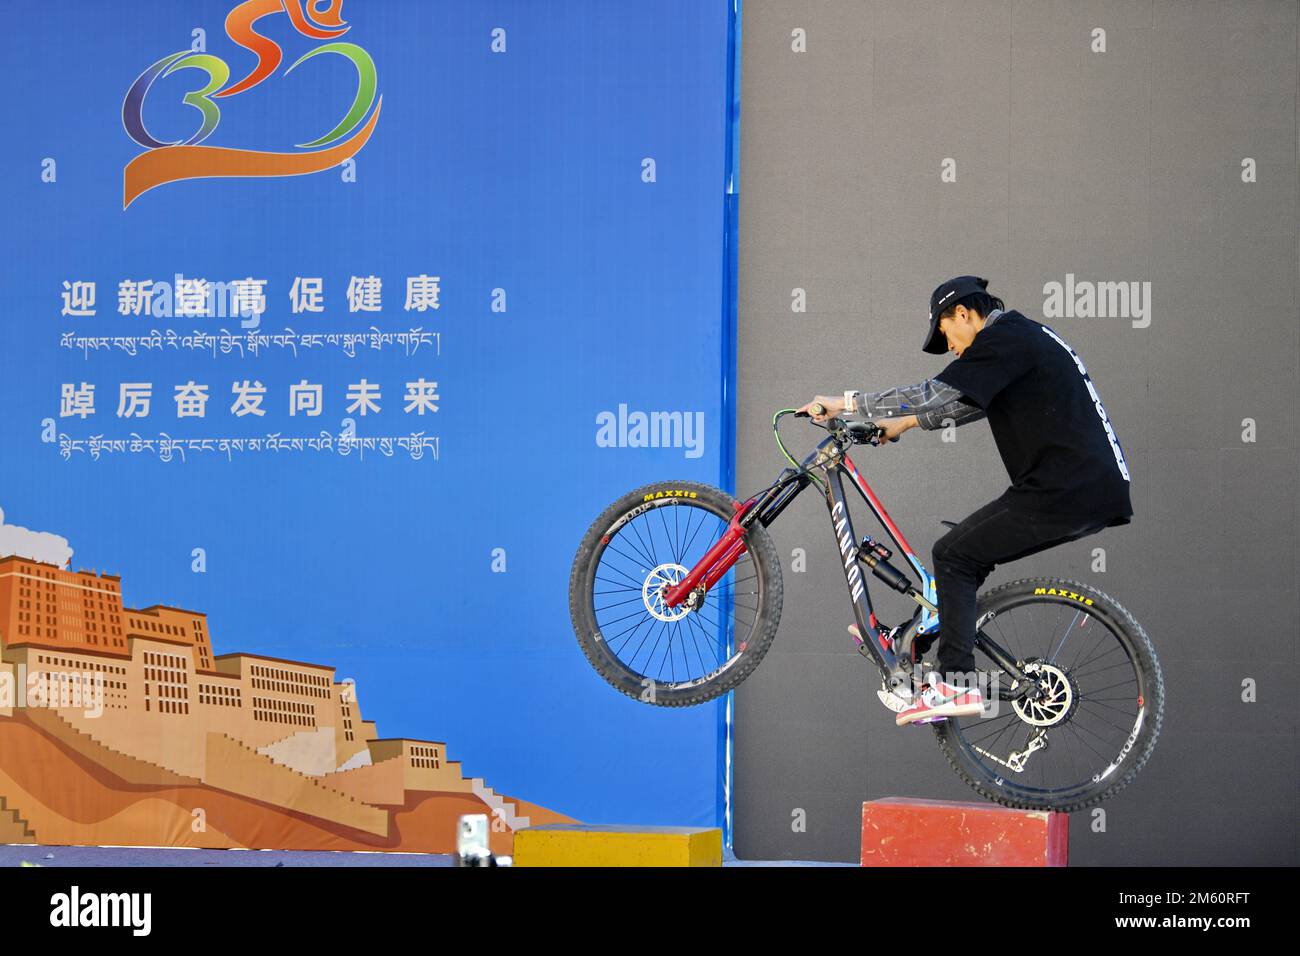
(889, 650)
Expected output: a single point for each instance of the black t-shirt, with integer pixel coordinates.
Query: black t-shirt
(1049, 424)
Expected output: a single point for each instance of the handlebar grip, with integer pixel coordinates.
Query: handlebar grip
(817, 409)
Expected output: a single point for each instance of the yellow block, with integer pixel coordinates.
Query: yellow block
(578, 844)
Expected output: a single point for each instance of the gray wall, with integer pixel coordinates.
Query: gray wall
(1119, 165)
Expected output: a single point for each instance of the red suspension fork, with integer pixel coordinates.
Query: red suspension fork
(716, 562)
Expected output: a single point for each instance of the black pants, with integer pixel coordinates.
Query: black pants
(963, 558)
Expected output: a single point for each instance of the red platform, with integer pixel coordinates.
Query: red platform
(906, 831)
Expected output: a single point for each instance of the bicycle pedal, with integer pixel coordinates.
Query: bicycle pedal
(893, 701)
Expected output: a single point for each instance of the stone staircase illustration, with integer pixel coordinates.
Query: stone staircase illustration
(237, 768)
(131, 769)
(270, 750)
(500, 807)
(13, 828)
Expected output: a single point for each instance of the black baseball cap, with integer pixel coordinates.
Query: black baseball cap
(954, 290)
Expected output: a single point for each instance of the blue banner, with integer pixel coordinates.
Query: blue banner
(335, 323)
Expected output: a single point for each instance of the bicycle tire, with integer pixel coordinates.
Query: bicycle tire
(996, 785)
(582, 598)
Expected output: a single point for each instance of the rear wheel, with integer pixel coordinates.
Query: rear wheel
(672, 656)
(1098, 704)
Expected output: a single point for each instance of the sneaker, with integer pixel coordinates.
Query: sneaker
(940, 700)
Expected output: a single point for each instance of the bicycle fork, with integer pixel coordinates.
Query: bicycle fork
(717, 561)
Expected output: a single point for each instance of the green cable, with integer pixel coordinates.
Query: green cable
(780, 444)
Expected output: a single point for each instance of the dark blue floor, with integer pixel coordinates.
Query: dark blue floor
(81, 856)
(13, 855)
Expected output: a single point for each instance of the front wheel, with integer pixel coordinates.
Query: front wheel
(1095, 713)
(641, 545)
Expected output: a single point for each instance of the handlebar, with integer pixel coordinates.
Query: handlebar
(861, 433)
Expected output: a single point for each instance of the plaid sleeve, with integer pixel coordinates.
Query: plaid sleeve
(921, 400)
(958, 410)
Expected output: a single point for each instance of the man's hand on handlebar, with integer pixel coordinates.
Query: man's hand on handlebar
(894, 427)
(831, 407)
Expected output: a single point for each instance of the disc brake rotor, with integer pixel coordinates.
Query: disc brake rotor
(652, 592)
(1057, 700)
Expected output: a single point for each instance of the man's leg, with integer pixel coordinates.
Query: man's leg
(964, 557)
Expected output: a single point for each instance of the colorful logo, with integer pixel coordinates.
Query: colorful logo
(186, 159)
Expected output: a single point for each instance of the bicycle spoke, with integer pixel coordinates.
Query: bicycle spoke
(677, 556)
(672, 636)
(641, 564)
(686, 546)
(618, 620)
(1013, 649)
(651, 657)
(687, 549)
(701, 614)
(1052, 657)
(1113, 686)
(1009, 730)
(1078, 727)
(694, 629)
(631, 627)
(635, 583)
(630, 600)
(985, 721)
(1123, 710)
(635, 525)
(664, 521)
(631, 632)
(630, 535)
(1123, 730)
(1096, 657)
(1103, 670)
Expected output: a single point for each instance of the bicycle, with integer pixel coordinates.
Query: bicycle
(688, 562)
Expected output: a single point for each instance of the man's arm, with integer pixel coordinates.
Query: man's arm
(959, 410)
(931, 401)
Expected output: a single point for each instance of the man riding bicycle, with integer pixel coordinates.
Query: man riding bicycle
(1069, 477)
